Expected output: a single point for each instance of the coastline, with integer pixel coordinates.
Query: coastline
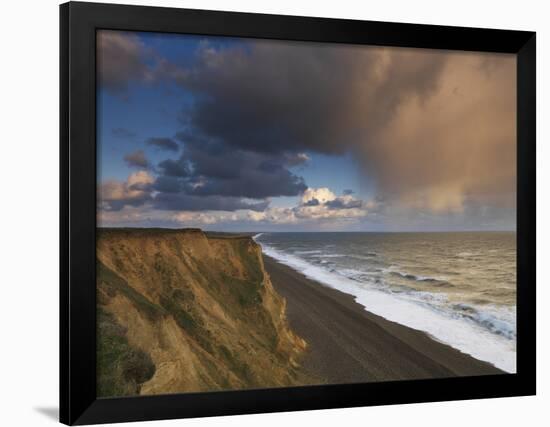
(348, 344)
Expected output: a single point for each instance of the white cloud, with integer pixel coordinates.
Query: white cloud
(135, 189)
(273, 215)
(322, 195)
(205, 218)
(322, 203)
(324, 212)
(139, 178)
(194, 217)
(316, 204)
(256, 216)
(280, 215)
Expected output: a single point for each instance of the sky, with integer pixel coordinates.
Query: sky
(262, 135)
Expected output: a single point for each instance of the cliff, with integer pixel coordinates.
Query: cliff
(180, 311)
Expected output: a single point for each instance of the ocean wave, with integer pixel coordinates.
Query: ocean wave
(325, 255)
(491, 321)
(482, 335)
(365, 256)
(433, 280)
(320, 254)
(354, 274)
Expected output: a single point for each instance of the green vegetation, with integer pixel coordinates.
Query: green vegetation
(247, 292)
(189, 323)
(182, 317)
(250, 261)
(121, 368)
(183, 295)
(114, 283)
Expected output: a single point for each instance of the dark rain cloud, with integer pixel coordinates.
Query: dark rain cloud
(117, 205)
(137, 159)
(276, 96)
(214, 168)
(121, 59)
(341, 203)
(174, 168)
(431, 129)
(186, 202)
(255, 184)
(169, 184)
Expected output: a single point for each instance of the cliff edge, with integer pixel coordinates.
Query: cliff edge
(180, 311)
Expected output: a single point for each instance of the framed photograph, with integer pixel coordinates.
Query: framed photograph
(267, 213)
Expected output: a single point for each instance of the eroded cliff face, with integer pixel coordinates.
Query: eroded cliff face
(182, 312)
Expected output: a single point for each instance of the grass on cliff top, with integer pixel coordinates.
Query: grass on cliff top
(121, 368)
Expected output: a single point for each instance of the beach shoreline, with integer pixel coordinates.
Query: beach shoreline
(347, 343)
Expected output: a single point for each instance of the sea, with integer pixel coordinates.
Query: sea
(459, 288)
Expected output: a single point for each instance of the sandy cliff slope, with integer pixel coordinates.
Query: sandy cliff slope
(182, 312)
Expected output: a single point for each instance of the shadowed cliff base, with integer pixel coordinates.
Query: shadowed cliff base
(347, 344)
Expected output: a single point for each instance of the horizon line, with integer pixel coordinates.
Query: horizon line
(308, 231)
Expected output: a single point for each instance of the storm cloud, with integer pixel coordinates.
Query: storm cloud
(139, 189)
(208, 168)
(432, 130)
(275, 96)
(122, 59)
(186, 202)
(136, 159)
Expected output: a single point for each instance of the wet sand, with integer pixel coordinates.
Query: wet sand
(347, 344)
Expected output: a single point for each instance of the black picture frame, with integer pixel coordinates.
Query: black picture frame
(78, 25)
